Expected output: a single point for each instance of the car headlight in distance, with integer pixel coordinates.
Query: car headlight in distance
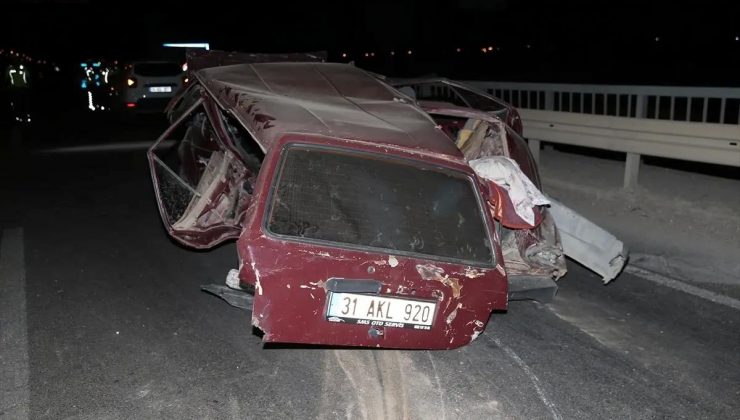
(131, 82)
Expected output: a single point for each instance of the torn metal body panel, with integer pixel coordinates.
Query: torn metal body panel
(449, 92)
(236, 298)
(198, 180)
(532, 251)
(529, 253)
(358, 217)
(589, 244)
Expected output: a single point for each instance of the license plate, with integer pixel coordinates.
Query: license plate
(380, 311)
(160, 89)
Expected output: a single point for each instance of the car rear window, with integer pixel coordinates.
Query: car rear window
(368, 200)
(157, 69)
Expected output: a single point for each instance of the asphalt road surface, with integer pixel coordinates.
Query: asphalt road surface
(101, 317)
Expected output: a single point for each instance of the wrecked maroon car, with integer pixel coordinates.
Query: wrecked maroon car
(362, 217)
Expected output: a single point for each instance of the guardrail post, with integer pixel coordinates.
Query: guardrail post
(640, 106)
(534, 147)
(549, 100)
(631, 170)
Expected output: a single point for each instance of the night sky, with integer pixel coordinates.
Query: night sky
(658, 42)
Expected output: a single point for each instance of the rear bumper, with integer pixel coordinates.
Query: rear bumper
(146, 101)
(150, 104)
(291, 298)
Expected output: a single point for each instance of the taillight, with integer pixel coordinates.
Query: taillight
(131, 105)
(131, 82)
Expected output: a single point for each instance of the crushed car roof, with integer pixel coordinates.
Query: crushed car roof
(332, 99)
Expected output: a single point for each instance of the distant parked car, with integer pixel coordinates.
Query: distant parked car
(148, 86)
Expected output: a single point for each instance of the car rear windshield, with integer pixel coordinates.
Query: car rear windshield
(157, 69)
(368, 200)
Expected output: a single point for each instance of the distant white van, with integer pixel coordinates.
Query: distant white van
(148, 86)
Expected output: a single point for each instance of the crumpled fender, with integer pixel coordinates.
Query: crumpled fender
(517, 202)
(502, 208)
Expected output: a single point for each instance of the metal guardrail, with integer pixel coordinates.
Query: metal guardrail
(671, 103)
(687, 123)
(709, 143)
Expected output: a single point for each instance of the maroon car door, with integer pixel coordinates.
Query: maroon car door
(198, 179)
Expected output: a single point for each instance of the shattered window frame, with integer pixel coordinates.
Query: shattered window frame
(157, 162)
(489, 234)
(163, 172)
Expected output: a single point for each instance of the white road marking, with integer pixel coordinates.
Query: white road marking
(532, 377)
(108, 147)
(14, 386)
(439, 386)
(683, 287)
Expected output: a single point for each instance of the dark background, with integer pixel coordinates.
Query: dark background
(581, 41)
